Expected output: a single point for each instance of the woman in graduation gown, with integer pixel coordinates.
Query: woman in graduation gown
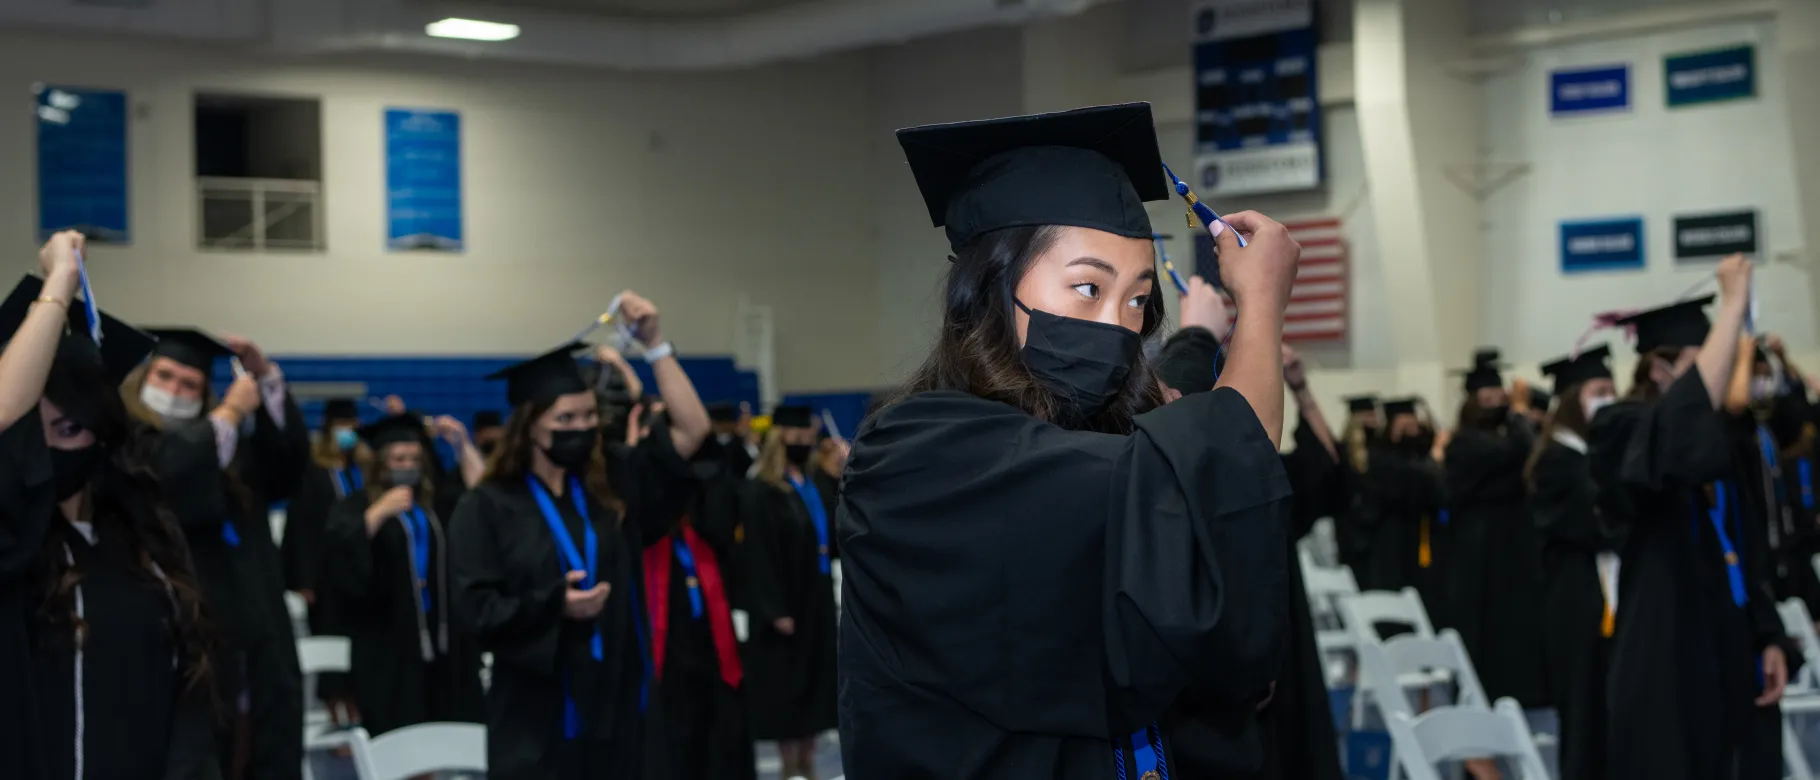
(334, 473)
(1694, 655)
(1493, 577)
(1364, 426)
(1579, 561)
(389, 589)
(222, 465)
(788, 554)
(544, 556)
(1396, 504)
(103, 644)
(1038, 556)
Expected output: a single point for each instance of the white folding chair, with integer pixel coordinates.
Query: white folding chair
(1325, 586)
(1365, 612)
(1390, 667)
(1803, 694)
(300, 613)
(319, 655)
(355, 741)
(1458, 733)
(405, 753)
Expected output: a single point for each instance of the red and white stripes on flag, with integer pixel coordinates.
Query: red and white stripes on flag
(1317, 303)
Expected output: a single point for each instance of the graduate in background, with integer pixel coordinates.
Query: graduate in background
(1579, 560)
(788, 554)
(1038, 556)
(221, 466)
(1791, 420)
(1493, 573)
(488, 428)
(1695, 654)
(1364, 426)
(544, 557)
(333, 474)
(1397, 508)
(103, 644)
(389, 590)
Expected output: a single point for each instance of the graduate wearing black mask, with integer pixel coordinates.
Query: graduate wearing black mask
(1493, 575)
(1039, 557)
(103, 664)
(788, 555)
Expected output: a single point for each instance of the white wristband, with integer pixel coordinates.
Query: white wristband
(659, 352)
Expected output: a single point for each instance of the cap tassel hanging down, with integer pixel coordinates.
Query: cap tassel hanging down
(1201, 210)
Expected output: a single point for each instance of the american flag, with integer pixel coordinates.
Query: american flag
(1317, 303)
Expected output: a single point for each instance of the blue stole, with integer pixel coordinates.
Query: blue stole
(693, 582)
(1768, 444)
(420, 551)
(818, 514)
(1734, 570)
(230, 534)
(349, 480)
(572, 560)
(1146, 747)
(1805, 468)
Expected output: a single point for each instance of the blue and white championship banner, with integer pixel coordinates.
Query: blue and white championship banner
(1257, 116)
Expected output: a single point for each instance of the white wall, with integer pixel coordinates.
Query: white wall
(691, 189)
(1652, 161)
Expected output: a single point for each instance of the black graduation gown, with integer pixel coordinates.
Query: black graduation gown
(302, 548)
(1397, 501)
(373, 587)
(509, 592)
(1295, 733)
(1493, 573)
(790, 680)
(1018, 596)
(705, 719)
(243, 585)
(138, 721)
(1684, 661)
(1564, 502)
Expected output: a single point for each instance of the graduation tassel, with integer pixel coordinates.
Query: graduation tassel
(1162, 250)
(1424, 555)
(1201, 210)
(1608, 624)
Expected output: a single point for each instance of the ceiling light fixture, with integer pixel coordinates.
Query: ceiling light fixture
(472, 30)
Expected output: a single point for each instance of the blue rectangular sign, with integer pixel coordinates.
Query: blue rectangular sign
(1594, 89)
(1726, 74)
(82, 163)
(1602, 245)
(423, 180)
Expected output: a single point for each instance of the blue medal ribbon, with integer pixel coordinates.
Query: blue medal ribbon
(420, 551)
(572, 560)
(349, 480)
(687, 559)
(818, 514)
(1734, 570)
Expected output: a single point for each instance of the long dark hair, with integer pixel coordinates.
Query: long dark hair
(1477, 416)
(125, 499)
(1568, 415)
(977, 350)
(511, 460)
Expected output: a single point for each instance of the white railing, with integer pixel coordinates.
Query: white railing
(259, 214)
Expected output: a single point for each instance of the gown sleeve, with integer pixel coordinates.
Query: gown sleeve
(762, 549)
(1314, 478)
(1195, 564)
(345, 542)
(304, 523)
(1678, 441)
(1478, 460)
(1564, 500)
(185, 460)
(281, 452)
(520, 626)
(25, 494)
(655, 482)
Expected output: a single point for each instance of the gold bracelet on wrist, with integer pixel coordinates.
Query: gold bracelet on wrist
(50, 299)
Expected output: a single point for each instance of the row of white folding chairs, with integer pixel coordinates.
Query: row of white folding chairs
(1802, 697)
(411, 751)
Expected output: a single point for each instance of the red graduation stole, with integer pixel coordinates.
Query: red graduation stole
(657, 600)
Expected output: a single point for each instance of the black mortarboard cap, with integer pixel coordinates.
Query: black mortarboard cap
(487, 418)
(190, 347)
(544, 378)
(1482, 376)
(1539, 398)
(123, 347)
(1360, 404)
(1486, 356)
(1681, 324)
(340, 409)
(394, 429)
(1091, 168)
(793, 417)
(1400, 406)
(1569, 371)
(723, 412)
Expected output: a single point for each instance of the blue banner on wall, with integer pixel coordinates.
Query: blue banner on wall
(1705, 77)
(423, 180)
(1257, 115)
(1589, 90)
(1602, 245)
(82, 163)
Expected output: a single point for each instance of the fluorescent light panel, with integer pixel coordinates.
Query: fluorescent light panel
(472, 30)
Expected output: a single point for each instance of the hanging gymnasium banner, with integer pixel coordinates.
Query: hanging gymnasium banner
(1257, 117)
(1715, 235)
(82, 163)
(423, 180)
(1590, 90)
(1710, 76)
(1602, 245)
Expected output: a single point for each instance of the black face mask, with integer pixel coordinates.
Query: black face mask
(487, 447)
(798, 454)
(72, 470)
(1083, 362)
(572, 449)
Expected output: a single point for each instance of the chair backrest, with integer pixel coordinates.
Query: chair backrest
(1799, 625)
(297, 607)
(319, 654)
(1364, 612)
(1389, 667)
(359, 751)
(405, 753)
(1325, 583)
(1456, 733)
